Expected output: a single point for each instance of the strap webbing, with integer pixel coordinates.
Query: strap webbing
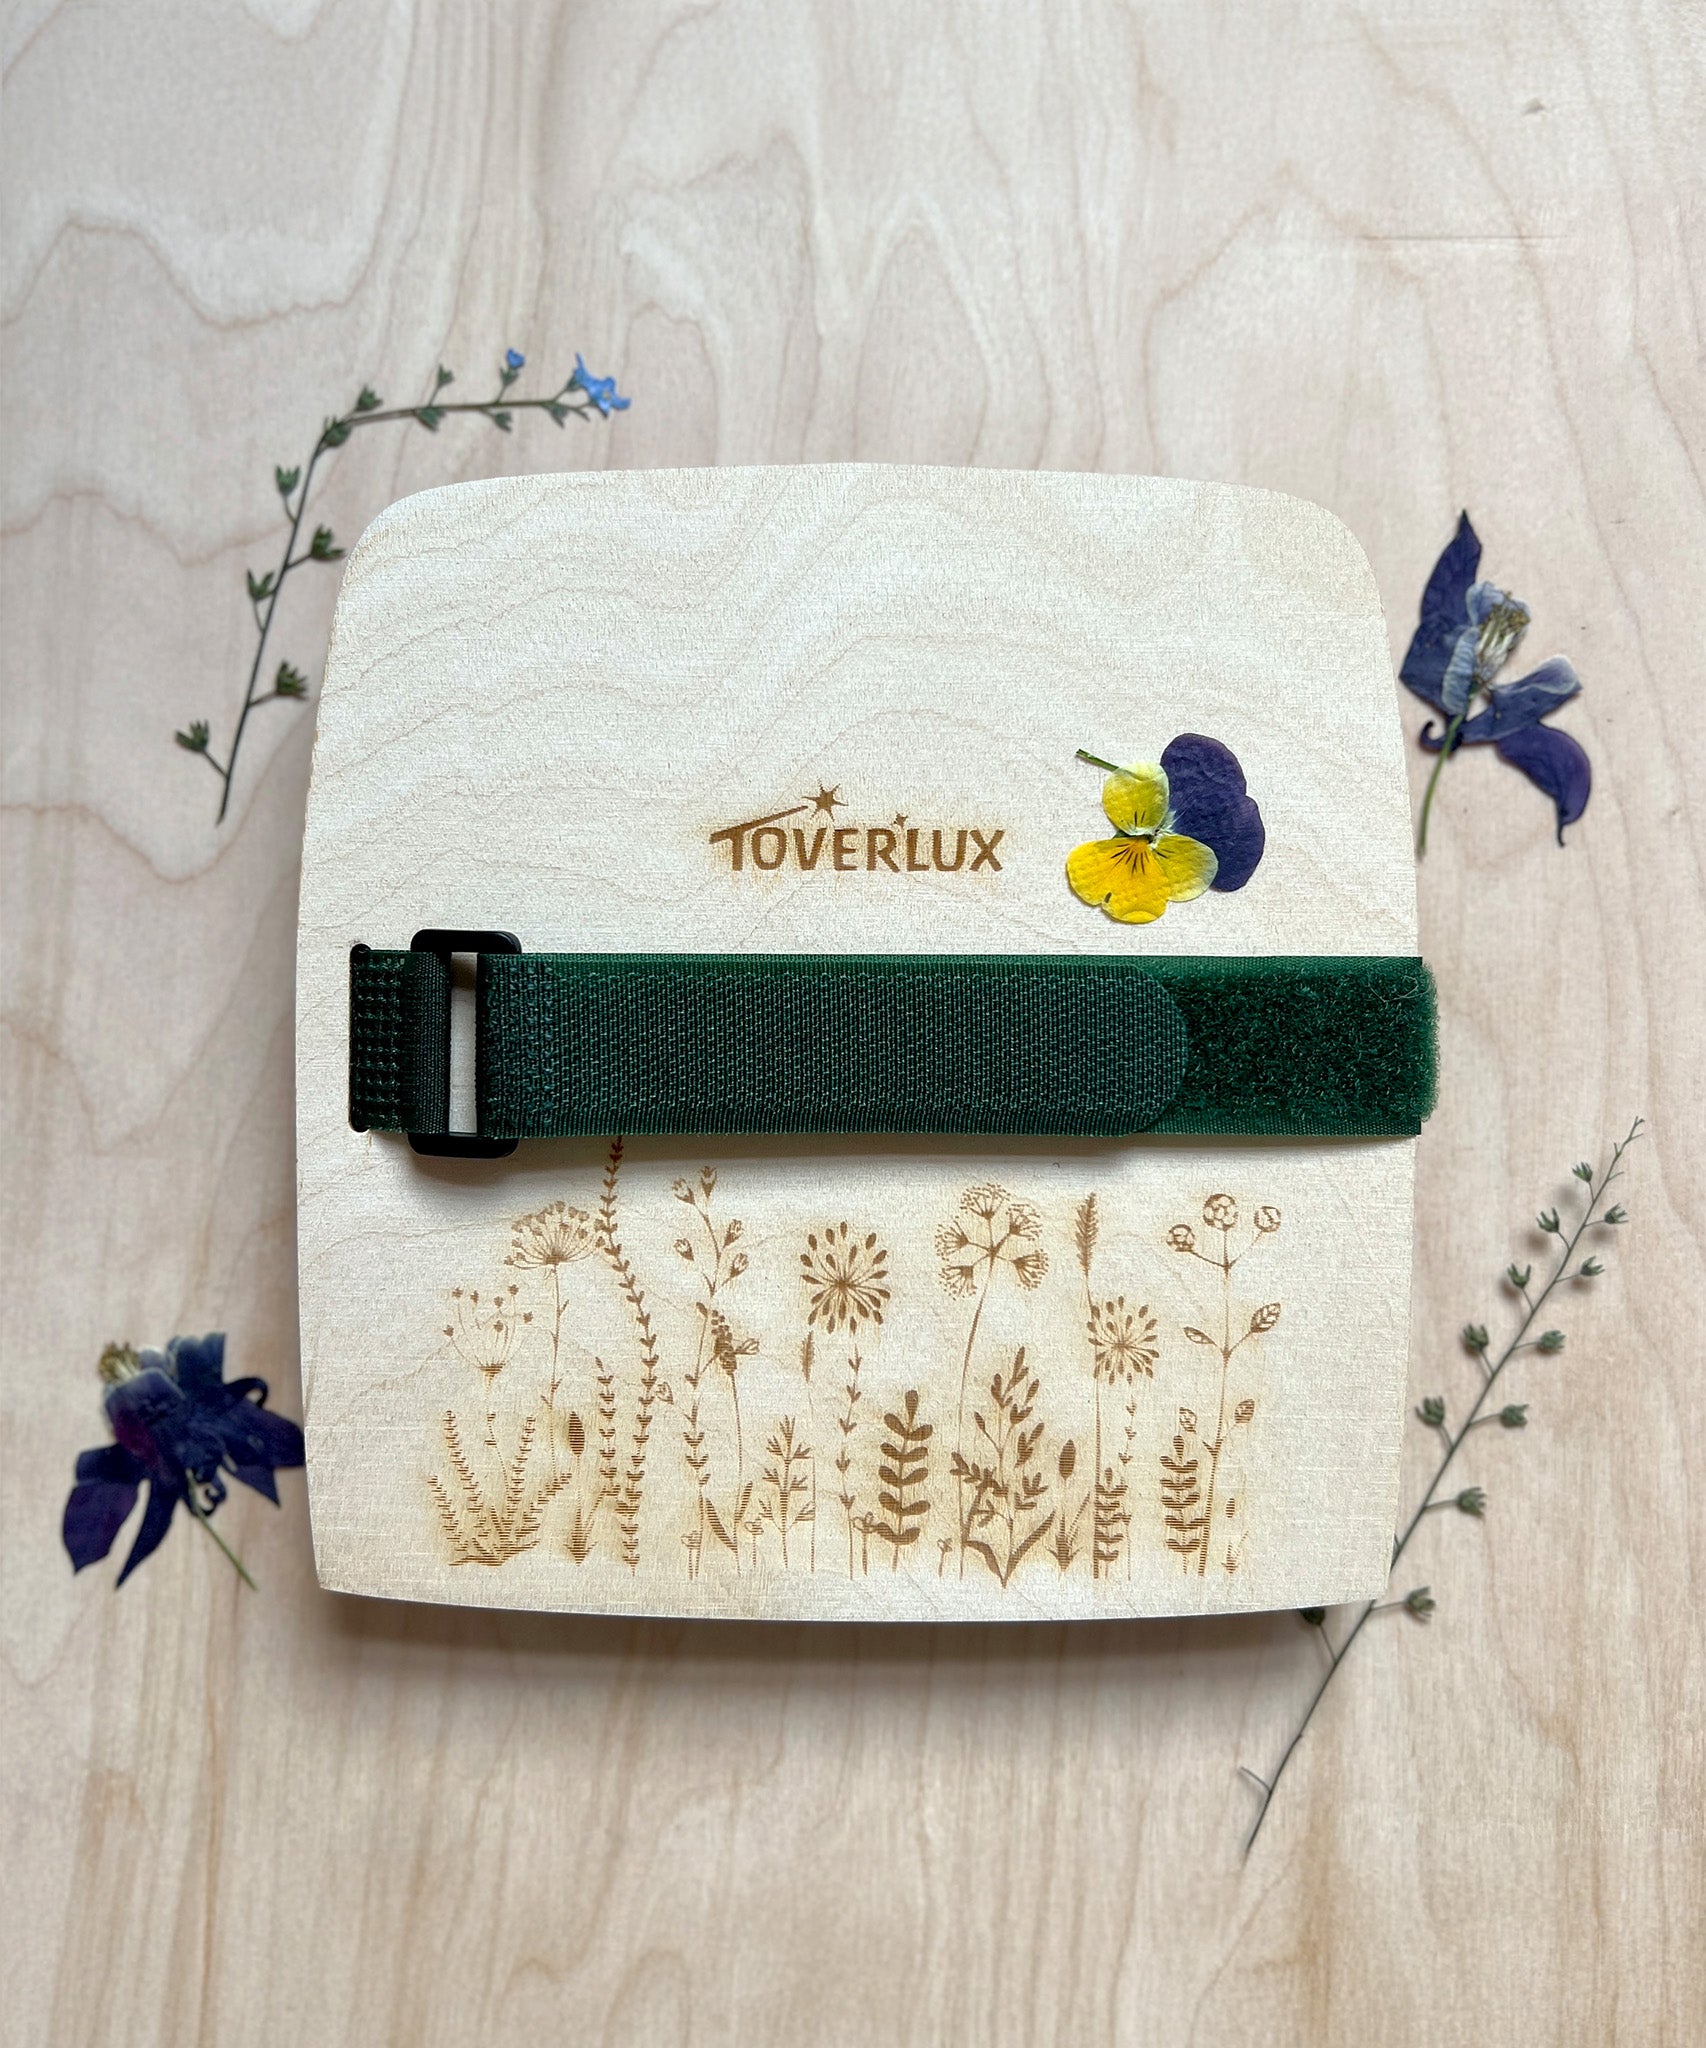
(585, 1044)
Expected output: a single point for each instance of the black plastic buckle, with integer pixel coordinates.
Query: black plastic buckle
(461, 1144)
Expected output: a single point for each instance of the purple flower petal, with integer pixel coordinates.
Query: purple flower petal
(1210, 803)
(258, 1444)
(156, 1520)
(1511, 706)
(198, 1364)
(100, 1503)
(1444, 613)
(1553, 762)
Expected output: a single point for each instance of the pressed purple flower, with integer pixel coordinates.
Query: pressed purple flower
(179, 1425)
(1466, 632)
(601, 390)
(1212, 804)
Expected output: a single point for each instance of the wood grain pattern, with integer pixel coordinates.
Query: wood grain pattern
(1390, 258)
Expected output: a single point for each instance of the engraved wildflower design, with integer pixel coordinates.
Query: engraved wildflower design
(991, 1229)
(1123, 1343)
(1203, 1468)
(845, 1278)
(484, 1331)
(1183, 825)
(988, 1232)
(553, 1236)
(545, 1241)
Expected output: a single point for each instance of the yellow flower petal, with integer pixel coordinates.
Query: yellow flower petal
(1134, 880)
(1190, 867)
(1136, 799)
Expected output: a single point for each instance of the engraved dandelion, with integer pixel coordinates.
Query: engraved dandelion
(845, 1278)
(1123, 1343)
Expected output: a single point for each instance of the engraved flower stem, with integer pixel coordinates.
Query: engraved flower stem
(965, 1376)
(1596, 1192)
(556, 1376)
(1096, 1383)
(1226, 1262)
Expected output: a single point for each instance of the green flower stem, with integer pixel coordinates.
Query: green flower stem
(1595, 1194)
(205, 1522)
(1440, 759)
(332, 435)
(1096, 761)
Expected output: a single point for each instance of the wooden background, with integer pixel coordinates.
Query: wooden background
(1396, 258)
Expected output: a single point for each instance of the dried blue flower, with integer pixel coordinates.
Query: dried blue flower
(601, 390)
(514, 359)
(179, 1426)
(1466, 633)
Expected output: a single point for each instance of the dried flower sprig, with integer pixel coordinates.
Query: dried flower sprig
(579, 396)
(1466, 632)
(1419, 1602)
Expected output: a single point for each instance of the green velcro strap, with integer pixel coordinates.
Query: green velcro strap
(585, 1044)
(399, 1041)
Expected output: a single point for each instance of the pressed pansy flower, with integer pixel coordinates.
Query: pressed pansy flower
(1466, 632)
(179, 1425)
(1184, 825)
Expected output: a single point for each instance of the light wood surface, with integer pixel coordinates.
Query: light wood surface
(1391, 259)
(577, 708)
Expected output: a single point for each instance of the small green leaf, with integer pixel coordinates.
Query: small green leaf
(335, 433)
(1617, 1215)
(1591, 1269)
(1515, 1415)
(559, 413)
(1316, 1617)
(287, 480)
(1472, 1501)
(1475, 1336)
(1551, 1340)
(1420, 1602)
(429, 417)
(367, 399)
(500, 419)
(195, 740)
(1432, 1412)
(1519, 1276)
(259, 586)
(444, 377)
(1582, 1171)
(1548, 1221)
(289, 682)
(321, 548)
